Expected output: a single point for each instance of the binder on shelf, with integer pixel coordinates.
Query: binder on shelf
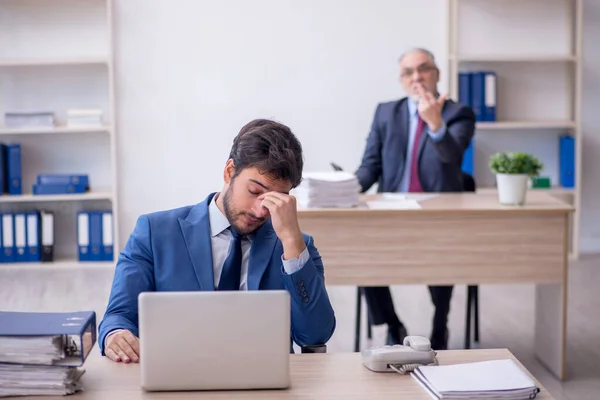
(566, 150)
(107, 237)
(13, 162)
(20, 237)
(47, 236)
(464, 89)
(96, 250)
(83, 236)
(63, 179)
(62, 339)
(478, 95)
(47, 189)
(33, 248)
(489, 90)
(8, 238)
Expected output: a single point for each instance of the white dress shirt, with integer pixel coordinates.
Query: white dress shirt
(220, 238)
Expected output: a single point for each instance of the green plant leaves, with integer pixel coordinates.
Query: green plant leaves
(515, 163)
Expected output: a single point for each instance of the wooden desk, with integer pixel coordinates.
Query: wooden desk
(456, 238)
(313, 376)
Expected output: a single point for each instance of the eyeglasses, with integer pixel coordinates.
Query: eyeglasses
(421, 69)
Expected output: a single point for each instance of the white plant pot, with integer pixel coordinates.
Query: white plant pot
(512, 188)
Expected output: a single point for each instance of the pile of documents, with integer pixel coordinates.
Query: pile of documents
(496, 379)
(41, 353)
(328, 189)
(84, 118)
(34, 119)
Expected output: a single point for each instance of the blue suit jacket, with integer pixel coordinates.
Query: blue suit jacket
(171, 251)
(439, 162)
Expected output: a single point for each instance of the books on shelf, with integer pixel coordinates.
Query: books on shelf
(42, 353)
(328, 189)
(496, 379)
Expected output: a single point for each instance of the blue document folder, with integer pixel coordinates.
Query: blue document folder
(64, 338)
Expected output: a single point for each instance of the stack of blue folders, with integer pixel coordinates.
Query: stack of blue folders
(42, 353)
(61, 184)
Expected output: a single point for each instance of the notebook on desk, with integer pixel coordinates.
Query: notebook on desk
(496, 379)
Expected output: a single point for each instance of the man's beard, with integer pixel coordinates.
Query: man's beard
(231, 214)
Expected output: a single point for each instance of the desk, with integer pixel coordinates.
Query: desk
(456, 238)
(313, 376)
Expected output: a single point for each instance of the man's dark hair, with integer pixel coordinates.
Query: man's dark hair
(270, 147)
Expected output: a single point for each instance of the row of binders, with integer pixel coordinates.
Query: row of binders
(95, 238)
(43, 353)
(27, 237)
(477, 89)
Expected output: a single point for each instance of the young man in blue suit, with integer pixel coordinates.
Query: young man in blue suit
(416, 144)
(246, 237)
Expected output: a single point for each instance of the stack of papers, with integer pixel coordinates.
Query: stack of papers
(497, 379)
(328, 189)
(34, 380)
(41, 353)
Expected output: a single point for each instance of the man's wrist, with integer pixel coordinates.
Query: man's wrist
(293, 245)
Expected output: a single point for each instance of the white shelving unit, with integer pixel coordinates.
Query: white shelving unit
(56, 55)
(535, 48)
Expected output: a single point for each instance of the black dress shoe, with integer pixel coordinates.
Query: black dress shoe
(396, 335)
(439, 342)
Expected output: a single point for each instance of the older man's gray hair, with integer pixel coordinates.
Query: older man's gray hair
(418, 50)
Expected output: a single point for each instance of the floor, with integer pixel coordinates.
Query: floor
(506, 313)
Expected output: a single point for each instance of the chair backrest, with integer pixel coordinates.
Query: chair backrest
(468, 182)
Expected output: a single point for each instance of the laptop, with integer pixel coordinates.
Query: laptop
(225, 340)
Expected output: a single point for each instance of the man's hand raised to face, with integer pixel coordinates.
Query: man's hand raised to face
(284, 218)
(123, 346)
(430, 108)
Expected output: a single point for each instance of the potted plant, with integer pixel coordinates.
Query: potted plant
(513, 171)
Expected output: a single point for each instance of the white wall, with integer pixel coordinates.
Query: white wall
(190, 73)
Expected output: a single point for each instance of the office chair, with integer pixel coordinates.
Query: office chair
(472, 290)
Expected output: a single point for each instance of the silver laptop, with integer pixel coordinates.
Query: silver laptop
(214, 340)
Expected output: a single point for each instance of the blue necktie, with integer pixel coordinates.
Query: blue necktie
(232, 267)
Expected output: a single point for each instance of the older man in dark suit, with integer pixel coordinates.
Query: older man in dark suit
(416, 144)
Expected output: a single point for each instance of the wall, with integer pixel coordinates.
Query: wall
(191, 73)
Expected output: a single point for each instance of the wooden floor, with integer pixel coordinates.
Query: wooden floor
(506, 315)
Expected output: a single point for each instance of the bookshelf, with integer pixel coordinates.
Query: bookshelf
(536, 53)
(54, 56)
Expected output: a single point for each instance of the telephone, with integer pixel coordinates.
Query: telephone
(414, 352)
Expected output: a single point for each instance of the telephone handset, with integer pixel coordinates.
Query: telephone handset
(414, 352)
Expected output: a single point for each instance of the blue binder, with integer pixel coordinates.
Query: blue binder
(464, 89)
(33, 248)
(8, 238)
(83, 236)
(3, 169)
(567, 161)
(490, 95)
(20, 227)
(13, 162)
(75, 332)
(478, 95)
(63, 179)
(107, 237)
(95, 236)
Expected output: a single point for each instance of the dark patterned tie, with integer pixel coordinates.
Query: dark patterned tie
(232, 267)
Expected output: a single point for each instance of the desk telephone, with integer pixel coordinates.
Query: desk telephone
(414, 352)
